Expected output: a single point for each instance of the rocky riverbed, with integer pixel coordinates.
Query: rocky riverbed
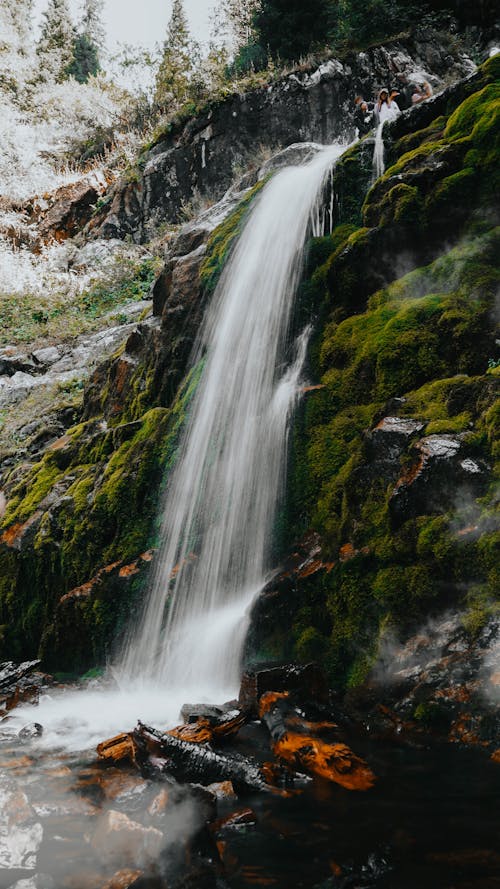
(218, 802)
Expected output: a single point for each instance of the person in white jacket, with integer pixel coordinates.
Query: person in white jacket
(386, 107)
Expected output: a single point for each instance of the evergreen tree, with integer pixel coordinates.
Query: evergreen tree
(89, 42)
(290, 27)
(85, 62)
(55, 47)
(173, 78)
(92, 25)
(238, 16)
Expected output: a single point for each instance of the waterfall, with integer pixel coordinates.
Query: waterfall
(220, 505)
(378, 153)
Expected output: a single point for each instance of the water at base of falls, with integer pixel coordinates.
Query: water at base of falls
(222, 499)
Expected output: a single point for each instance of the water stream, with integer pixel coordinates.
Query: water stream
(378, 153)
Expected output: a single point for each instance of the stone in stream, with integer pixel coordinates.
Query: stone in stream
(10, 673)
(123, 879)
(118, 839)
(32, 730)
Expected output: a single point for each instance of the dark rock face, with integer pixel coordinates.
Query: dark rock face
(388, 440)
(441, 474)
(313, 106)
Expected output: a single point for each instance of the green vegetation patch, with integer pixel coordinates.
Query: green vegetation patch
(57, 315)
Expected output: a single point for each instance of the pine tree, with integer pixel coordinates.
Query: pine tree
(89, 42)
(92, 25)
(290, 27)
(55, 47)
(172, 80)
(239, 15)
(85, 62)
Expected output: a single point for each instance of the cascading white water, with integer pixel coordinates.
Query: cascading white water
(378, 153)
(220, 505)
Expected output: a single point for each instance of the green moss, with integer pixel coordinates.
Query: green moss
(28, 496)
(424, 338)
(432, 715)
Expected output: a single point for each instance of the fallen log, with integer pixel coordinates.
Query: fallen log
(119, 748)
(211, 728)
(160, 754)
(334, 762)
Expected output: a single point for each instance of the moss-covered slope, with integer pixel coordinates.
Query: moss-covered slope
(395, 455)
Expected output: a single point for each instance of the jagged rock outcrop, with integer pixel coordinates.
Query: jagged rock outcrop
(202, 155)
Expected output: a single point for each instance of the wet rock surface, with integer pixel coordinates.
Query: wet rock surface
(442, 470)
(440, 681)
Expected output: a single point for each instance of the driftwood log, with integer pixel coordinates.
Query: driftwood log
(334, 762)
(160, 753)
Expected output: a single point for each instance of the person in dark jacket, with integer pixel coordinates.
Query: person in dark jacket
(363, 115)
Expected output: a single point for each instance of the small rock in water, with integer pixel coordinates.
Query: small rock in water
(33, 730)
(123, 879)
(121, 840)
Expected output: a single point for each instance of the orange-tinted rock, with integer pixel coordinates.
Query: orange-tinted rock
(304, 752)
(160, 803)
(223, 790)
(123, 879)
(235, 819)
(196, 732)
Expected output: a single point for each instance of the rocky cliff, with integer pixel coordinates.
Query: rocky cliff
(390, 518)
(203, 155)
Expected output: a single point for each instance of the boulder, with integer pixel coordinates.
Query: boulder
(119, 840)
(388, 440)
(441, 470)
(71, 209)
(307, 683)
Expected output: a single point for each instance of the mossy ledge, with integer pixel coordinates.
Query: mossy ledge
(406, 297)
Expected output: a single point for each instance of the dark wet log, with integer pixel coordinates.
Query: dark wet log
(307, 682)
(334, 762)
(162, 754)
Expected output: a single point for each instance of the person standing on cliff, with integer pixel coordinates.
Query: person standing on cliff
(363, 116)
(386, 107)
